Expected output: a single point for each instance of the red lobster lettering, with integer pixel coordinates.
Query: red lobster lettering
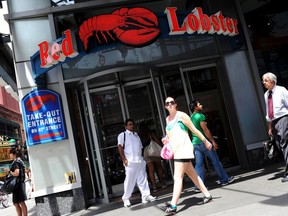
(36, 103)
(134, 27)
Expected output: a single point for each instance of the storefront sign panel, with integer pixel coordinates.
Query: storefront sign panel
(57, 51)
(134, 27)
(51, 54)
(138, 27)
(43, 118)
(197, 21)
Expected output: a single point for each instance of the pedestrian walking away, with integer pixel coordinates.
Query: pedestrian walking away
(178, 124)
(130, 150)
(200, 150)
(276, 99)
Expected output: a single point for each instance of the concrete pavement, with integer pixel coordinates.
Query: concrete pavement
(10, 211)
(253, 193)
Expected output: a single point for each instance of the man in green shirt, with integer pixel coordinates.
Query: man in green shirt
(200, 150)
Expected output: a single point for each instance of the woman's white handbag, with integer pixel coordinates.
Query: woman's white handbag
(154, 149)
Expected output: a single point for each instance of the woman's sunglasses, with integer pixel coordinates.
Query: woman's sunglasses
(167, 103)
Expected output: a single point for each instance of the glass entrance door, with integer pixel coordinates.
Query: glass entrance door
(111, 105)
(202, 83)
(115, 96)
(142, 106)
(108, 119)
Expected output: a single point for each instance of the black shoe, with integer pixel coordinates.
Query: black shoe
(285, 179)
(206, 200)
(168, 209)
(196, 190)
(167, 204)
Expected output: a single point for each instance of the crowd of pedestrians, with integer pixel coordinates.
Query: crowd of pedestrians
(133, 151)
(179, 127)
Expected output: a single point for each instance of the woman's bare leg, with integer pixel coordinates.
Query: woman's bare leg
(18, 209)
(179, 168)
(190, 171)
(160, 172)
(151, 173)
(24, 208)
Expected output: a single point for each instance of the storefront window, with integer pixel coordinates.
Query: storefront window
(268, 30)
(161, 51)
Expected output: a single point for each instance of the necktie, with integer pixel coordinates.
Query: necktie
(270, 106)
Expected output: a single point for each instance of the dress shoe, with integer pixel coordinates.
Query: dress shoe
(285, 179)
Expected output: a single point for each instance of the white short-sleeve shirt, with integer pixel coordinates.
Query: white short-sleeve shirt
(133, 146)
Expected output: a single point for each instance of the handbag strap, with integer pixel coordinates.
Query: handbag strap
(124, 139)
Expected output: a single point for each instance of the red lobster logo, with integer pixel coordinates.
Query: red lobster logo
(36, 103)
(135, 27)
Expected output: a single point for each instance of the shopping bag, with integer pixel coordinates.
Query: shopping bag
(154, 149)
(167, 152)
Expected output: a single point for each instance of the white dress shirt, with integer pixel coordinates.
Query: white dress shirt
(280, 102)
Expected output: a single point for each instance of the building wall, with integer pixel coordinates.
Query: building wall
(30, 28)
(10, 111)
(7, 101)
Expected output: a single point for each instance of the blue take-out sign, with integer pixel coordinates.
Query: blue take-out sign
(43, 117)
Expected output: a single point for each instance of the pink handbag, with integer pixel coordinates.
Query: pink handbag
(167, 152)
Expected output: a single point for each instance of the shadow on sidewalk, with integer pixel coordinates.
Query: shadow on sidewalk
(189, 199)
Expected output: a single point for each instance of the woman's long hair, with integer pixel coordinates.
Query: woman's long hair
(16, 152)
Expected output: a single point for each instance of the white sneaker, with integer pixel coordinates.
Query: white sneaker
(148, 198)
(127, 203)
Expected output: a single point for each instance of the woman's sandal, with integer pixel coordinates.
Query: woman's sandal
(168, 209)
(207, 199)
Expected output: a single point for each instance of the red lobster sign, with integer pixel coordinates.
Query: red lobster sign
(133, 27)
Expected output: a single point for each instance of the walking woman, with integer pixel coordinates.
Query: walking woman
(177, 127)
(18, 169)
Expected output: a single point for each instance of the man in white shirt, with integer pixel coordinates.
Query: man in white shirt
(276, 99)
(130, 150)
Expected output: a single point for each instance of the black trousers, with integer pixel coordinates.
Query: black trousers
(280, 133)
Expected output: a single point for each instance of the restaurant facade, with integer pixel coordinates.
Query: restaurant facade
(83, 67)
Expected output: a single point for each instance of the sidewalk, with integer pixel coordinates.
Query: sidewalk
(253, 193)
(10, 211)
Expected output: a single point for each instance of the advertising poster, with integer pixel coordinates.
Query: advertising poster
(43, 117)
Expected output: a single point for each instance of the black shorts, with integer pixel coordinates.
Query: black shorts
(183, 160)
